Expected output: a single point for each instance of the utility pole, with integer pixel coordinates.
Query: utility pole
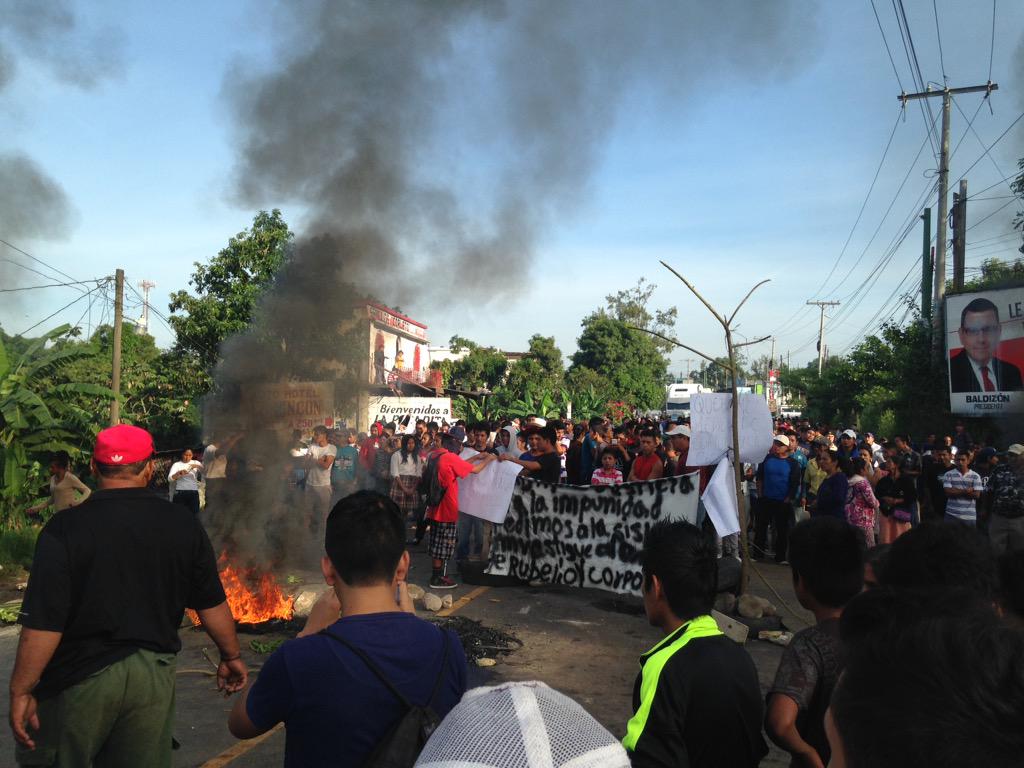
(821, 330)
(926, 266)
(115, 374)
(145, 285)
(938, 336)
(959, 235)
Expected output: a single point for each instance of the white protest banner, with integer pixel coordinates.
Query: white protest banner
(711, 428)
(586, 536)
(404, 411)
(487, 494)
(720, 499)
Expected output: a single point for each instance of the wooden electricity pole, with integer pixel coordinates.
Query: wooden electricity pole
(726, 322)
(959, 235)
(821, 330)
(947, 94)
(115, 373)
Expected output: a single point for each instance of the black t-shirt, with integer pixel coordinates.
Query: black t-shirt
(807, 674)
(113, 575)
(550, 467)
(706, 712)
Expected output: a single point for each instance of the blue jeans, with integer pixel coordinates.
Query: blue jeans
(470, 528)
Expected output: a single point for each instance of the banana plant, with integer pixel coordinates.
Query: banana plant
(586, 403)
(37, 419)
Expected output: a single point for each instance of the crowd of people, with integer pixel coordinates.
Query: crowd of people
(902, 580)
(885, 487)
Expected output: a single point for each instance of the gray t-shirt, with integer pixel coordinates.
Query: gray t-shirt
(318, 476)
(810, 667)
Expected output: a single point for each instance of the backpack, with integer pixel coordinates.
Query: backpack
(404, 741)
(432, 482)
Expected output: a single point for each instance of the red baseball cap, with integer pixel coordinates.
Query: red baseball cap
(123, 444)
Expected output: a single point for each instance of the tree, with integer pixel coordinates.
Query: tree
(38, 417)
(480, 368)
(1018, 189)
(540, 368)
(548, 356)
(630, 307)
(227, 290)
(994, 274)
(156, 390)
(629, 360)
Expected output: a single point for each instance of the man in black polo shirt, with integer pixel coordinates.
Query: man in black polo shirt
(544, 462)
(93, 682)
(697, 700)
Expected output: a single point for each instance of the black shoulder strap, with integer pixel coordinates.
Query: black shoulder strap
(380, 675)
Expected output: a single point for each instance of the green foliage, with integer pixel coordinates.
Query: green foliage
(717, 374)
(629, 360)
(266, 646)
(630, 307)
(481, 368)
(17, 546)
(885, 385)
(995, 274)
(471, 408)
(227, 290)
(158, 390)
(40, 413)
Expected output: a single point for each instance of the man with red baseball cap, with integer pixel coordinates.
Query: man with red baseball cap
(94, 676)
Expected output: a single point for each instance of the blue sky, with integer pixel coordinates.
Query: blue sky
(742, 179)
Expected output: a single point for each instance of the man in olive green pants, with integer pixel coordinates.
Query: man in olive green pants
(93, 682)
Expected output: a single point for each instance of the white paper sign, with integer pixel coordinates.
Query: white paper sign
(404, 411)
(711, 428)
(586, 536)
(487, 494)
(720, 500)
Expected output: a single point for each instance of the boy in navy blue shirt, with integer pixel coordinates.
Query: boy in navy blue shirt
(334, 707)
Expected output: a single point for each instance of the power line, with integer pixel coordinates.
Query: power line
(167, 324)
(863, 205)
(970, 126)
(66, 306)
(885, 216)
(915, 69)
(992, 45)
(888, 50)
(993, 213)
(38, 261)
(49, 285)
(88, 311)
(938, 35)
(28, 268)
(788, 323)
(990, 146)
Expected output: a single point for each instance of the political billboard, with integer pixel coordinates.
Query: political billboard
(985, 352)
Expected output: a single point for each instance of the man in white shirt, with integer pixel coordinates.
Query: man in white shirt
(963, 486)
(319, 460)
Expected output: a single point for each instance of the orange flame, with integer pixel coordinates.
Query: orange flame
(253, 595)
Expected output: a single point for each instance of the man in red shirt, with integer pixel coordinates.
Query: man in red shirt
(648, 465)
(445, 516)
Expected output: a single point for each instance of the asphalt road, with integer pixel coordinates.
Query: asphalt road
(584, 643)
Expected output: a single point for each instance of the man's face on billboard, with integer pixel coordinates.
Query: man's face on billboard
(980, 335)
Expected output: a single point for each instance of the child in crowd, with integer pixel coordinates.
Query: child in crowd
(827, 558)
(607, 473)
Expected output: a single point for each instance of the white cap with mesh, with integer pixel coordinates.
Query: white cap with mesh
(521, 725)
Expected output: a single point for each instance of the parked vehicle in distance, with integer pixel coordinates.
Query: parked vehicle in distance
(677, 398)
